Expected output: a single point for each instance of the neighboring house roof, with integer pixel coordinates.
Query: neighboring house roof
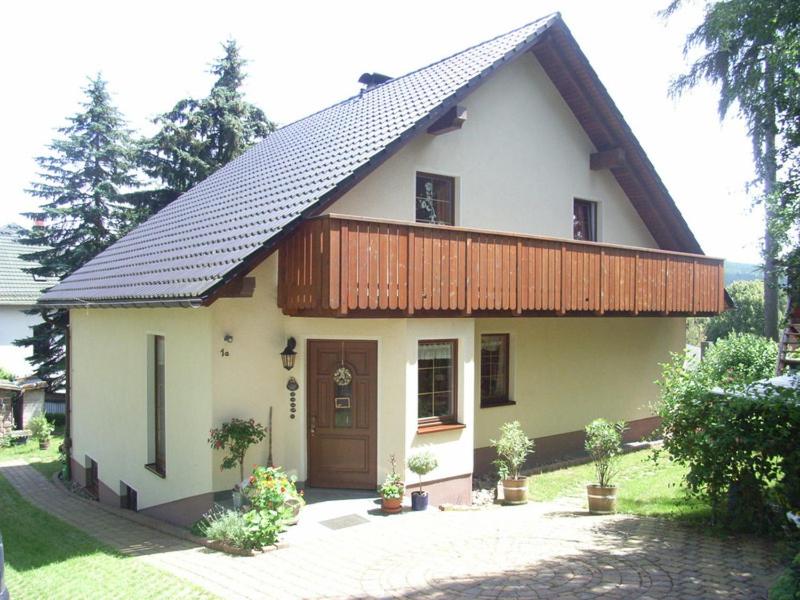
(224, 226)
(17, 287)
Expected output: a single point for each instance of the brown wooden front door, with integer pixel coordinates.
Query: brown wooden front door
(342, 416)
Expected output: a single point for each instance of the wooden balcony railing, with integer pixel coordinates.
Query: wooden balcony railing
(336, 265)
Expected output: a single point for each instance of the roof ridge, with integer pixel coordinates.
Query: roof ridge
(363, 93)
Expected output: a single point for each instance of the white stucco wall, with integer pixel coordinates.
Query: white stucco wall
(14, 325)
(109, 398)
(251, 379)
(566, 372)
(519, 161)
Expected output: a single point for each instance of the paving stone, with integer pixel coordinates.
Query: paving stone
(536, 551)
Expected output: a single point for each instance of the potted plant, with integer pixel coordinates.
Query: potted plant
(421, 464)
(236, 436)
(270, 488)
(604, 445)
(42, 430)
(512, 449)
(391, 490)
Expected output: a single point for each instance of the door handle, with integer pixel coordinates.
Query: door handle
(313, 424)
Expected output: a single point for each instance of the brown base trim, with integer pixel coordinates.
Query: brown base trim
(449, 490)
(562, 446)
(184, 512)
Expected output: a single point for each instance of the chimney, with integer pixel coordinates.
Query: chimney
(371, 80)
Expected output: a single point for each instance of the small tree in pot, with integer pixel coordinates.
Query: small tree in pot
(512, 448)
(421, 464)
(604, 445)
(236, 436)
(42, 430)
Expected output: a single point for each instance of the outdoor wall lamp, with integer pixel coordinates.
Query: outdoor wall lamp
(288, 354)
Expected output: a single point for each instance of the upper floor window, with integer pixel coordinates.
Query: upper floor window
(435, 199)
(436, 392)
(494, 369)
(584, 220)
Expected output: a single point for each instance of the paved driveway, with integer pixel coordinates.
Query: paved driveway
(534, 551)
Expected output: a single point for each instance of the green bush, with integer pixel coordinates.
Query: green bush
(41, 428)
(512, 449)
(6, 375)
(421, 464)
(604, 445)
(268, 488)
(247, 531)
(788, 585)
(739, 444)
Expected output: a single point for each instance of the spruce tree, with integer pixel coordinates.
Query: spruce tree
(197, 137)
(81, 185)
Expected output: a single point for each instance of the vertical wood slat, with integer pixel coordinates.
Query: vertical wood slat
(342, 265)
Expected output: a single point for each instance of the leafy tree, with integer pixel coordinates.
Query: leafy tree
(197, 137)
(81, 184)
(750, 51)
(747, 317)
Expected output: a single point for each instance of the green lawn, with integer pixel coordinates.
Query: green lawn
(44, 461)
(47, 558)
(645, 488)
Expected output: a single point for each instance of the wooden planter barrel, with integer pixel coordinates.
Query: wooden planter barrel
(515, 491)
(602, 500)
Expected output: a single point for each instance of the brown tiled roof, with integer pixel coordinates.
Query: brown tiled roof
(224, 225)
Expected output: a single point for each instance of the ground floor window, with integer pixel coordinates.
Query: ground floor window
(436, 392)
(494, 369)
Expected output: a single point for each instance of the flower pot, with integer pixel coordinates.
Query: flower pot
(602, 500)
(44, 444)
(515, 491)
(295, 505)
(237, 499)
(391, 506)
(419, 500)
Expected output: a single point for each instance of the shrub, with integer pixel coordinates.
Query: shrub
(604, 445)
(268, 489)
(512, 449)
(251, 530)
(236, 436)
(421, 464)
(788, 585)
(41, 428)
(6, 375)
(739, 359)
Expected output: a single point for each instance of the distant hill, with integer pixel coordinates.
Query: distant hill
(741, 272)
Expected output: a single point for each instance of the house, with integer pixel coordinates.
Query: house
(19, 291)
(477, 241)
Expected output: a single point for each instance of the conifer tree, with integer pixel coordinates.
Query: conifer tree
(197, 137)
(81, 185)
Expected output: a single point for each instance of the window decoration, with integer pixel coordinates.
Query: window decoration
(436, 393)
(494, 369)
(435, 199)
(584, 220)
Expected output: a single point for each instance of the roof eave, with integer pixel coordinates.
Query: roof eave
(193, 302)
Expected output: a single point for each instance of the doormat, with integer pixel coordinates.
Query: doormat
(343, 522)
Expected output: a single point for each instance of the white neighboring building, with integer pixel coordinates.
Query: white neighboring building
(18, 293)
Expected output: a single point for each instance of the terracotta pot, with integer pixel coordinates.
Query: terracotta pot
(44, 444)
(602, 500)
(515, 491)
(391, 506)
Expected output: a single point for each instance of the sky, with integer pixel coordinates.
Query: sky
(306, 55)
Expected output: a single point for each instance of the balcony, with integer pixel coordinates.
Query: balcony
(339, 265)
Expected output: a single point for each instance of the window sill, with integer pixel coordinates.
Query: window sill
(436, 427)
(155, 470)
(500, 403)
